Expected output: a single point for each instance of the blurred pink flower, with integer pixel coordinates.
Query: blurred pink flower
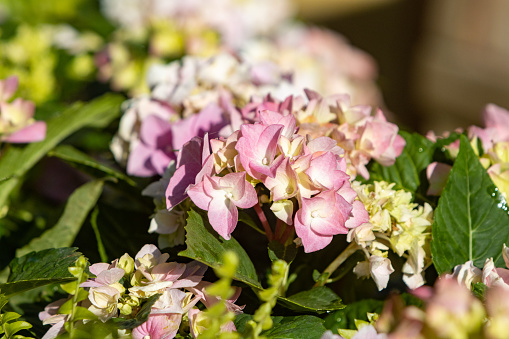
(437, 174)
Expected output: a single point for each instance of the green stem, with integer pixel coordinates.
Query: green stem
(341, 258)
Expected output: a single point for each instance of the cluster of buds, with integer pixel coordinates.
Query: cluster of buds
(120, 289)
(17, 124)
(394, 223)
(494, 154)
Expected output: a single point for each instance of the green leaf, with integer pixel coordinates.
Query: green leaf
(74, 156)
(319, 299)
(14, 327)
(479, 289)
(408, 169)
(81, 313)
(17, 160)
(9, 316)
(345, 318)
(40, 268)
(300, 327)
(280, 251)
(468, 223)
(206, 246)
(83, 199)
(140, 317)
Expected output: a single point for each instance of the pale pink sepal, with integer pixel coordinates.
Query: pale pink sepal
(32, 133)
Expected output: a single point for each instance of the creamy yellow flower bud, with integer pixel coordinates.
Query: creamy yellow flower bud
(125, 309)
(126, 263)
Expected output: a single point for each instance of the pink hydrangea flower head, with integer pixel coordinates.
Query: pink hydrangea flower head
(381, 141)
(221, 196)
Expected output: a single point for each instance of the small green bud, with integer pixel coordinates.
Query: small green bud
(82, 262)
(132, 300)
(125, 309)
(126, 263)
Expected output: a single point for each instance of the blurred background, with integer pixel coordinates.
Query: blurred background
(439, 61)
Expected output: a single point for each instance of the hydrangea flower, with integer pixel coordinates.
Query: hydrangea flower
(495, 145)
(397, 223)
(180, 286)
(17, 124)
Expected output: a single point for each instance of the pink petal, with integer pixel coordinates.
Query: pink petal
(156, 132)
(32, 133)
(498, 118)
(139, 162)
(55, 330)
(110, 276)
(96, 269)
(310, 240)
(8, 87)
(160, 326)
(198, 195)
(159, 161)
(179, 182)
(437, 174)
(223, 216)
(359, 215)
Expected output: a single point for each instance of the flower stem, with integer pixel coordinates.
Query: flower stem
(265, 223)
(288, 232)
(280, 227)
(341, 258)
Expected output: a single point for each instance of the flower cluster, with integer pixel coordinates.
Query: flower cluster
(319, 59)
(188, 99)
(17, 124)
(491, 276)
(306, 179)
(286, 145)
(493, 153)
(394, 223)
(174, 30)
(362, 135)
(120, 289)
